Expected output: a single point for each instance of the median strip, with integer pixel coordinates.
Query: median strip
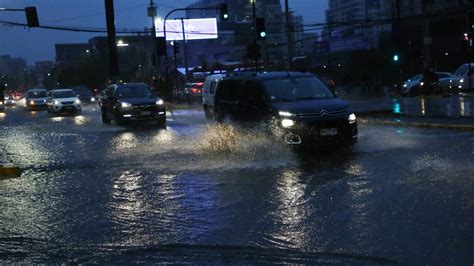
(417, 124)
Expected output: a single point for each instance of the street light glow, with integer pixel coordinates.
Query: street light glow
(120, 43)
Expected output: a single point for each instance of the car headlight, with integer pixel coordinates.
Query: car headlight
(32, 102)
(405, 85)
(56, 102)
(352, 118)
(77, 101)
(461, 80)
(44, 101)
(92, 99)
(422, 83)
(159, 102)
(287, 123)
(285, 114)
(1, 103)
(125, 105)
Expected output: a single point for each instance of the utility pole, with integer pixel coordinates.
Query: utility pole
(155, 57)
(289, 33)
(254, 16)
(186, 66)
(111, 40)
(427, 46)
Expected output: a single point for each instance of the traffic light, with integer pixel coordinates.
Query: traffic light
(224, 12)
(395, 58)
(253, 51)
(470, 22)
(31, 16)
(176, 47)
(161, 46)
(260, 28)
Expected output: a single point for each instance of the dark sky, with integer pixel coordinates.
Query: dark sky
(38, 44)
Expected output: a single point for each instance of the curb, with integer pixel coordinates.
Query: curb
(417, 124)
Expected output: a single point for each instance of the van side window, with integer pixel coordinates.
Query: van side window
(212, 87)
(230, 90)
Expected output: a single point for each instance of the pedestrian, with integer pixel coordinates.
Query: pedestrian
(2, 92)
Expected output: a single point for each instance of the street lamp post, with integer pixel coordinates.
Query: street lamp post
(152, 13)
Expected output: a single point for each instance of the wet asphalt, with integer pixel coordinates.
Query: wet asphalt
(201, 192)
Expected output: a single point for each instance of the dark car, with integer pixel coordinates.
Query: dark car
(84, 94)
(131, 102)
(299, 106)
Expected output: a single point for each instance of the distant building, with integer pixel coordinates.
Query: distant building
(41, 69)
(71, 53)
(12, 66)
(356, 24)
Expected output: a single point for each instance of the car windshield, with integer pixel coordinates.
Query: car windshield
(83, 92)
(64, 94)
(37, 94)
(134, 92)
(294, 89)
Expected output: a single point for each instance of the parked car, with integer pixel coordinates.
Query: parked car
(84, 94)
(190, 92)
(208, 93)
(459, 81)
(132, 102)
(36, 99)
(299, 107)
(414, 85)
(63, 100)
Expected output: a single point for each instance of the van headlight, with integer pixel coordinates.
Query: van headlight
(159, 102)
(285, 114)
(125, 105)
(287, 123)
(352, 118)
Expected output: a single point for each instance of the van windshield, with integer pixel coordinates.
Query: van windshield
(134, 92)
(294, 89)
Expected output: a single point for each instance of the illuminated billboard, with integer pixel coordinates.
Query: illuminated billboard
(194, 29)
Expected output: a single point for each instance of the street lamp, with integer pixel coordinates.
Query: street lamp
(121, 43)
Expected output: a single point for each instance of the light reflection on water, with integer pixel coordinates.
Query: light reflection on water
(57, 118)
(125, 141)
(291, 212)
(80, 120)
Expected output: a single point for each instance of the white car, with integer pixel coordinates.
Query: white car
(459, 81)
(63, 100)
(208, 93)
(413, 86)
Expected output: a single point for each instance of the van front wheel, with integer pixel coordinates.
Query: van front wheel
(207, 112)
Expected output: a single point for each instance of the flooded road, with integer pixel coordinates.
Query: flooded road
(201, 192)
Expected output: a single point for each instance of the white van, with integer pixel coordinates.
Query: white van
(208, 93)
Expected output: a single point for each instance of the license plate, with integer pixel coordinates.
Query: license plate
(146, 113)
(328, 131)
